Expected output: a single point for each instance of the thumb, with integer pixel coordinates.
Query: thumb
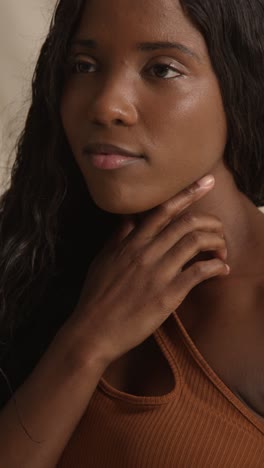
(126, 227)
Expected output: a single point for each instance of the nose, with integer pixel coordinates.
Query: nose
(113, 103)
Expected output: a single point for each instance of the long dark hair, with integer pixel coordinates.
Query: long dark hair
(50, 229)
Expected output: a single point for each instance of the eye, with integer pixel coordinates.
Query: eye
(82, 67)
(161, 70)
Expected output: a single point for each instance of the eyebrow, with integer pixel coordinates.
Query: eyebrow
(144, 46)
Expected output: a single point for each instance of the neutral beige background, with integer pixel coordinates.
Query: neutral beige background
(23, 27)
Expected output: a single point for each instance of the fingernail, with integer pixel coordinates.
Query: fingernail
(206, 181)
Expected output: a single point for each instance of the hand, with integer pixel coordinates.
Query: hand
(137, 280)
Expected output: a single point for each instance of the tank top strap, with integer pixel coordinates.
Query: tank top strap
(171, 337)
(190, 362)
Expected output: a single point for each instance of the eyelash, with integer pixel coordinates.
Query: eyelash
(74, 67)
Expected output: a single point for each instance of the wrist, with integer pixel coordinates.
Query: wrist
(80, 354)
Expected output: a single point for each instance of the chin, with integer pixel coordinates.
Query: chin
(116, 208)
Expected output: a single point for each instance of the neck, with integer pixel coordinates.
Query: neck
(243, 224)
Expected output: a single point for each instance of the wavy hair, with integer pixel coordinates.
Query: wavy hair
(49, 226)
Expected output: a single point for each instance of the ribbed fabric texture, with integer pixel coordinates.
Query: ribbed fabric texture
(199, 424)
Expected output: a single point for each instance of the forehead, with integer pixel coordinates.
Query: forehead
(135, 20)
(155, 7)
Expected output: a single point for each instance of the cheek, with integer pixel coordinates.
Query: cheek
(194, 128)
(185, 135)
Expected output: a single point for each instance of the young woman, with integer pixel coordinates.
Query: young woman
(132, 246)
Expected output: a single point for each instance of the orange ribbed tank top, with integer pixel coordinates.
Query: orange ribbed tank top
(199, 424)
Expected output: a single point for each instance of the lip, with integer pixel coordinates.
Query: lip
(112, 161)
(109, 149)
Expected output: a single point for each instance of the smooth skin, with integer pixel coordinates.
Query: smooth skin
(138, 279)
(111, 301)
(175, 117)
(169, 253)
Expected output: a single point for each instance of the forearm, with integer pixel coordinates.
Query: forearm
(51, 402)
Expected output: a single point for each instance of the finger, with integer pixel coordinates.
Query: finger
(157, 220)
(176, 230)
(187, 248)
(184, 282)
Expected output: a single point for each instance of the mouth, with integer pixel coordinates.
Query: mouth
(105, 149)
(109, 157)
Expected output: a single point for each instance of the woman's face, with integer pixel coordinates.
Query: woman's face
(160, 101)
